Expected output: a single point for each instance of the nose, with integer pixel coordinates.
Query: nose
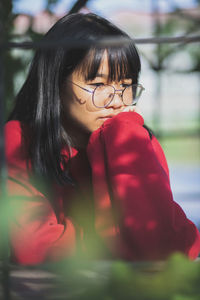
(117, 101)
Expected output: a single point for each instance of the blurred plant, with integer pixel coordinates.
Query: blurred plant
(177, 279)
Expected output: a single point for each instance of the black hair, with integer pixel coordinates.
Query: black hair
(38, 103)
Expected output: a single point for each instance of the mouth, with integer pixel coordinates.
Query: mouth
(103, 119)
(106, 117)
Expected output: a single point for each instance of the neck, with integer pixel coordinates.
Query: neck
(79, 137)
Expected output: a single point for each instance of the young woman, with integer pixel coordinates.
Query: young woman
(83, 168)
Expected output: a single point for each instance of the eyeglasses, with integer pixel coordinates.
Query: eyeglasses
(103, 94)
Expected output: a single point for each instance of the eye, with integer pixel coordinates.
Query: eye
(96, 84)
(125, 85)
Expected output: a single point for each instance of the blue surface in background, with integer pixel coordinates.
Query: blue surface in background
(185, 183)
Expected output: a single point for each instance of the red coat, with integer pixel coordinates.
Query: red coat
(129, 206)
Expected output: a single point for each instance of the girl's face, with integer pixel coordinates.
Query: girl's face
(78, 105)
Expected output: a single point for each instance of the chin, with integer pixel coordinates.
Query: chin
(96, 125)
(95, 128)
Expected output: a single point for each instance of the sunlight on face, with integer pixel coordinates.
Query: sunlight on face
(78, 104)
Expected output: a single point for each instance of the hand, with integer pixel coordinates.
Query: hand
(132, 108)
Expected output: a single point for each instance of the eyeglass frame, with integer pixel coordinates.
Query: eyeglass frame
(115, 90)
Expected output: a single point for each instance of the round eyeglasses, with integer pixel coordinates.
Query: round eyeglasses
(103, 94)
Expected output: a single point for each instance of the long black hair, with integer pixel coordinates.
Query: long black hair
(38, 103)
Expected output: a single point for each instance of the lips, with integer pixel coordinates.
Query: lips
(107, 117)
(103, 119)
(111, 115)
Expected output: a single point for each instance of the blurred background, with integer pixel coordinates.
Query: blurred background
(170, 71)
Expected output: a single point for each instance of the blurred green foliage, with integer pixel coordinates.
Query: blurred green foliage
(176, 279)
(84, 277)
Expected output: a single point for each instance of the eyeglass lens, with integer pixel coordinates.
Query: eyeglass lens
(103, 95)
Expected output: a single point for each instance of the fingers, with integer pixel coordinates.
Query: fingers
(133, 108)
(129, 108)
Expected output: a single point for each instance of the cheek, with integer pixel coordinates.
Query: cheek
(80, 110)
(85, 115)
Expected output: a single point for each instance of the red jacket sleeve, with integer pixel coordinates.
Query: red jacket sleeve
(36, 234)
(136, 213)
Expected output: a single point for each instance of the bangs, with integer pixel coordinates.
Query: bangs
(123, 62)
